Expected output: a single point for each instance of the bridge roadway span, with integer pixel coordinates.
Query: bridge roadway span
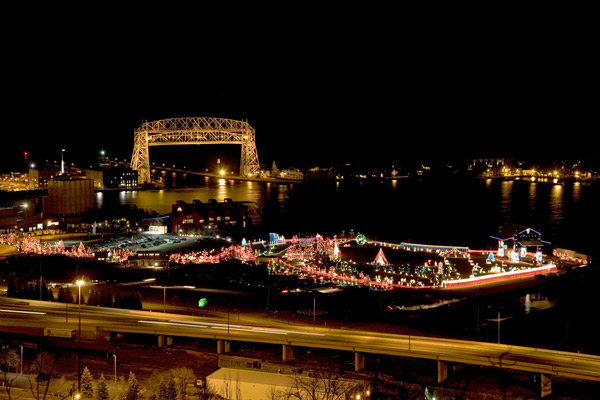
(98, 320)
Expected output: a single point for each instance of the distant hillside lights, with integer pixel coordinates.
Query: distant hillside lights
(14, 181)
(537, 174)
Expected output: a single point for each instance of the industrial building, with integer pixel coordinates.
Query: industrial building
(70, 196)
(111, 177)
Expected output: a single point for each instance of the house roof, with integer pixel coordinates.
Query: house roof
(524, 235)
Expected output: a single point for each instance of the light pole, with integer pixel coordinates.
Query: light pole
(79, 283)
(499, 327)
(40, 281)
(115, 356)
(498, 321)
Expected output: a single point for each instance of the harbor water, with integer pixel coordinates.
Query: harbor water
(460, 212)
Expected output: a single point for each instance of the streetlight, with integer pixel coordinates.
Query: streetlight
(498, 320)
(79, 283)
(115, 356)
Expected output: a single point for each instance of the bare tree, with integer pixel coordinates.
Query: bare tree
(275, 394)
(41, 373)
(182, 377)
(208, 392)
(9, 362)
(323, 384)
(231, 388)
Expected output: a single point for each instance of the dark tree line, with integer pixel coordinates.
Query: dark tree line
(131, 213)
(115, 297)
(25, 289)
(98, 296)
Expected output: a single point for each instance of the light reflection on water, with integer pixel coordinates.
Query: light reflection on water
(536, 302)
(162, 200)
(532, 198)
(506, 200)
(99, 200)
(457, 211)
(576, 192)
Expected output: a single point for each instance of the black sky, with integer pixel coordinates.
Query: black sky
(319, 95)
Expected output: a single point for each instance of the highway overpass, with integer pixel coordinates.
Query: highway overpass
(97, 322)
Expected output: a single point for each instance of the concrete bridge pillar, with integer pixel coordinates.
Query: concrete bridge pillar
(223, 346)
(287, 352)
(161, 340)
(546, 385)
(169, 341)
(442, 371)
(359, 361)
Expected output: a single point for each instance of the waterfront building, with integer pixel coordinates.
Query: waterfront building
(96, 175)
(294, 174)
(39, 178)
(120, 177)
(70, 196)
(212, 216)
(113, 177)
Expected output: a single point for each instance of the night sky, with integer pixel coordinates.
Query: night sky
(381, 95)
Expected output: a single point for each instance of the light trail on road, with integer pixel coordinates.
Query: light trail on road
(261, 330)
(236, 327)
(23, 312)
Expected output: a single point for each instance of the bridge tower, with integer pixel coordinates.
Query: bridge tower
(181, 131)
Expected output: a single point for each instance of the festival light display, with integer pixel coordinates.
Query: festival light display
(33, 245)
(320, 259)
(361, 239)
(385, 276)
(232, 252)
(538, 255)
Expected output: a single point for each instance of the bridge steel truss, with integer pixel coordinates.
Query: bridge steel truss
(182, 131)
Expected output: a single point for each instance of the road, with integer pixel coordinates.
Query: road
(16, 314)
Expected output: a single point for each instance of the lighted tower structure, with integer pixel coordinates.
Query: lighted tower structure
(181, 131)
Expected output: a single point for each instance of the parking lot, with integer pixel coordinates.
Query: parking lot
(165, 243)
